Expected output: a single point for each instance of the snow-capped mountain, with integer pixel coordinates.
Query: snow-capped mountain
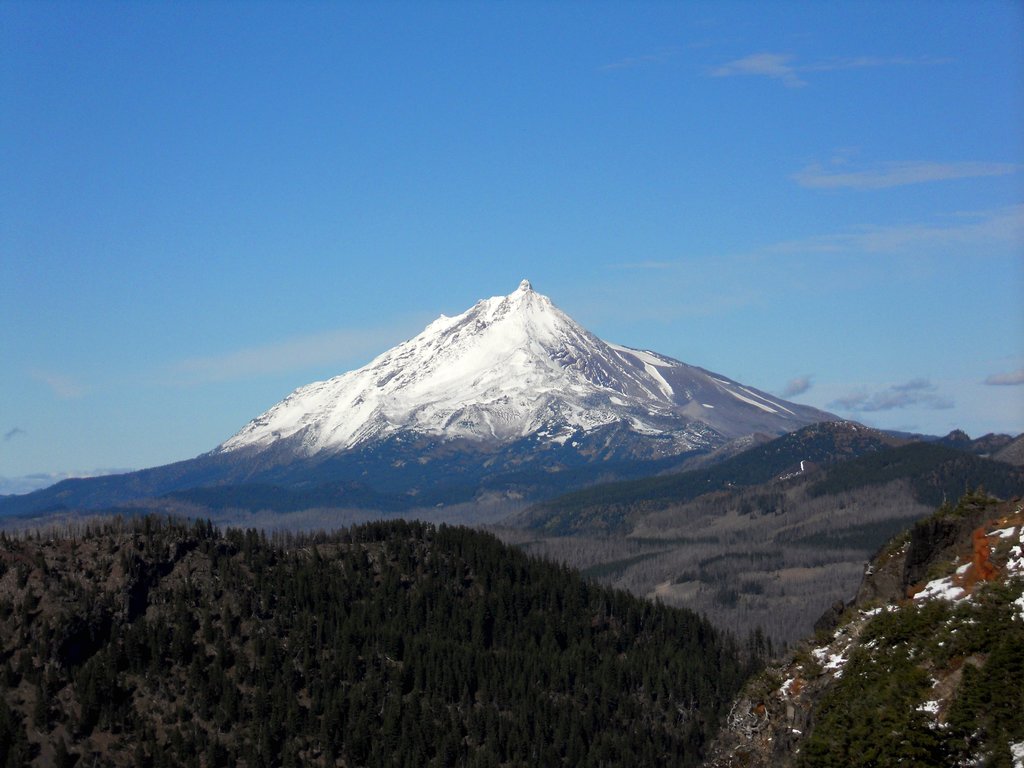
(512, 367)
(512, 399)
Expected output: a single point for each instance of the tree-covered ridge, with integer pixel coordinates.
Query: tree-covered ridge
(612, 507)
(849, 458)
(937, 473)
(150, 642)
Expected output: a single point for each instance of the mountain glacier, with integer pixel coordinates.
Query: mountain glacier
(513, 367)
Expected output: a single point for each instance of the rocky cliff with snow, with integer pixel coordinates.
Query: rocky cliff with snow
(925, 667)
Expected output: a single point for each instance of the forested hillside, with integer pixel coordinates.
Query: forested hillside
(149, 642)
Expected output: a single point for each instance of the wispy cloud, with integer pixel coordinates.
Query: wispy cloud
(916, 392)
(63, 387)
(783, 66)
(13, 433)
(899, 174)
(35, 481)
(863, 62)
(1010, 379)
(797, 386)
(650, 264)
(632, 62)
(317, 349)
(774, 65)
(998, 226)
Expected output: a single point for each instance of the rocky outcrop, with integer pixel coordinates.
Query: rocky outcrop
(1012, 453)
(946, 558)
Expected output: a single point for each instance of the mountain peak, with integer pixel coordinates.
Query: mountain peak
(516, 367)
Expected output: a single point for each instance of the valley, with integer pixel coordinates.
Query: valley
(754, 542)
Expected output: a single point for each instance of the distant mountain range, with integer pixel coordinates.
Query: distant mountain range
(769, 537)
(837, 456)
(510, 397)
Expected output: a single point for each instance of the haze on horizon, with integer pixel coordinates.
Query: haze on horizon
(205, 206)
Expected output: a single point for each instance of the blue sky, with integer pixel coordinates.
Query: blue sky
(204, 206)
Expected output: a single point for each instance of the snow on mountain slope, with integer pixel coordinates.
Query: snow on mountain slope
(510, 367)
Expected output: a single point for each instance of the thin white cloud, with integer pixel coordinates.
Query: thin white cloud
(797, 386)
(782, 66)
(999, 226)
(864, 62)
(61, 386)
(338, 346)
(633, 62)
(649, 264)
(899, 174)
(774, 65)
(916, 392)
(1010, 379)
(35, 481)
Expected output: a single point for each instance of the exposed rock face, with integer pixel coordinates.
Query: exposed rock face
(1013, 453)
(931, 539)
